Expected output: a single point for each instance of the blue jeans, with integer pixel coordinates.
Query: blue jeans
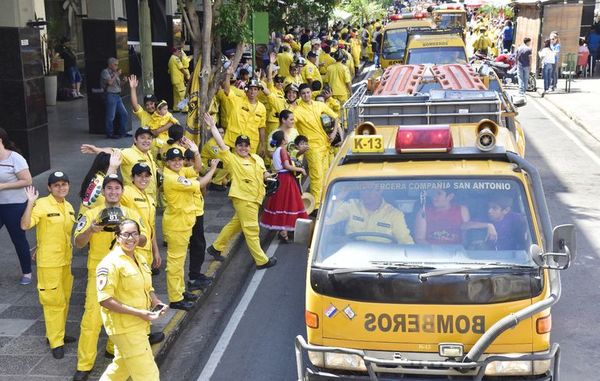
(554, 78)
(523, 77)
(10, 216)
(114, 105)
(547, 73)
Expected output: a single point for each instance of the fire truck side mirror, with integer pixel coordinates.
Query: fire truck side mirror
(564, 247)
(303, 231)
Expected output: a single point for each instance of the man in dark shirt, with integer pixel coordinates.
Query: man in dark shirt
(71, 70)
(523, 56)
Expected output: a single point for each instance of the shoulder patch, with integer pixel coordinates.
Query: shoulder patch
(81, 223)
(184, 181)
(101, 281)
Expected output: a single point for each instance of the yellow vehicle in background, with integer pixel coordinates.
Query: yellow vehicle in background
(395, 36)
(450, 16)
(387, 298)
(435, 47)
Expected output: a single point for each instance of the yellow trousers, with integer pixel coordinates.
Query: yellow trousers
(245, 220)
(177, 246)
(54, 288)
(133, 358)
(91, 323)
(178, 95)
(318, 164)
(341, 98)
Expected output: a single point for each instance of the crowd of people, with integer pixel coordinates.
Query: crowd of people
(264, 124)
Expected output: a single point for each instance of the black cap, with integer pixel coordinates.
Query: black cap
(149, 98)
(242, 139)
(188, 154)
(110, 178)
(175, 132)
(173, 153)
(143, 130)
(311, 54)
(279, 78)
(140, 168)
(57, 176)
(110, 218)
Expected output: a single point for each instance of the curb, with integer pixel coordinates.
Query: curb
(570, 116)
(181, 319)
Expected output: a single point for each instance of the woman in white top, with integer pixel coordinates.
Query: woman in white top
(548, 57)
(14, 177)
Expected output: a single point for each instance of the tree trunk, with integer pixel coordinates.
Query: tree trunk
(146, 48)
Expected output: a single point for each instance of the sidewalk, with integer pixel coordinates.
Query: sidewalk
(24, 354)
(581, 104)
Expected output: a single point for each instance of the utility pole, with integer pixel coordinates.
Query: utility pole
(146, 47)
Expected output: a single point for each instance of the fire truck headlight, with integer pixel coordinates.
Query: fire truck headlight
(506, 368)
(340, 361)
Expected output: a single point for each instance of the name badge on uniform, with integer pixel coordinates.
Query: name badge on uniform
(358, 218)
(53, 215)
(384, 225)
(139, 199)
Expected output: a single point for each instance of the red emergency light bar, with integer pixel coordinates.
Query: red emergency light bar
(434, 138)
(406, 16)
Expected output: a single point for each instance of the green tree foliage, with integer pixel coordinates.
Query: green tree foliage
(364, 10)
(303, 13)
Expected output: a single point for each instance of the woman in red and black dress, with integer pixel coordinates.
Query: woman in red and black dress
(285, 205)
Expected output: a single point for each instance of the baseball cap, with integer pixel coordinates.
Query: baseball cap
(279, 78)
(140, 168)
(57, 176)
(174, 153)
(311, 54)
(242, 139)
(111, 178)
(175, 132)
(188, 154)
(141, 131)
(110, 218)
(253, 83)
(315, 41)
(149, 98)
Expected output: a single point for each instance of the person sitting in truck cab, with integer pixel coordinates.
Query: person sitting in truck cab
(506, 230)
(374, 219)
(440, 224)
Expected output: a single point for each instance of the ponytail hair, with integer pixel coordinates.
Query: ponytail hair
(6, 142)
(277, 139)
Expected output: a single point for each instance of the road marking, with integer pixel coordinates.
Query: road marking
(567, 132)
(234, 321)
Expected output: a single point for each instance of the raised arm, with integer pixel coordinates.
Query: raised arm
(194, 148)
(215, 132)
(92, 149)
(133, 84)
(205, 180)
(32, 195)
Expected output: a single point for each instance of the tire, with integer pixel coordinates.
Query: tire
(531, 83)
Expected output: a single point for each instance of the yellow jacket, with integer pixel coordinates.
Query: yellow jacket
(54, 223)
(308, 122)
(245, 119)
(247, 181)
(144, 204)
(130, 157)
(338, 76)
(176, 70)
(119, 277)
(180, 212)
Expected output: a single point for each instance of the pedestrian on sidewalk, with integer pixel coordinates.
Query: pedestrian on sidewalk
(548, 58)
(96, 227)
(110, 81)
(14, 177)
(507, 35)
(555, 46)
(54, 218)
(523, 57)
(247, 192)
(128, 305)
(285, 206)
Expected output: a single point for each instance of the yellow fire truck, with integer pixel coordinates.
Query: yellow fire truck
(395, 36)
(433, 256)
(450, 16)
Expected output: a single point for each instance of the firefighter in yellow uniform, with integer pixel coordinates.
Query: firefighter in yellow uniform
(54, 217)
(136, 197)
(128, 302)
(95, 227)
(308, 123)
(339, 79)
(284, 60)
(248, 116)
(179, 75)
(247, 192)
(139, 152)
(325, 59)
(210, 151)
(178, 220)
(370, 214)
(310, 72)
